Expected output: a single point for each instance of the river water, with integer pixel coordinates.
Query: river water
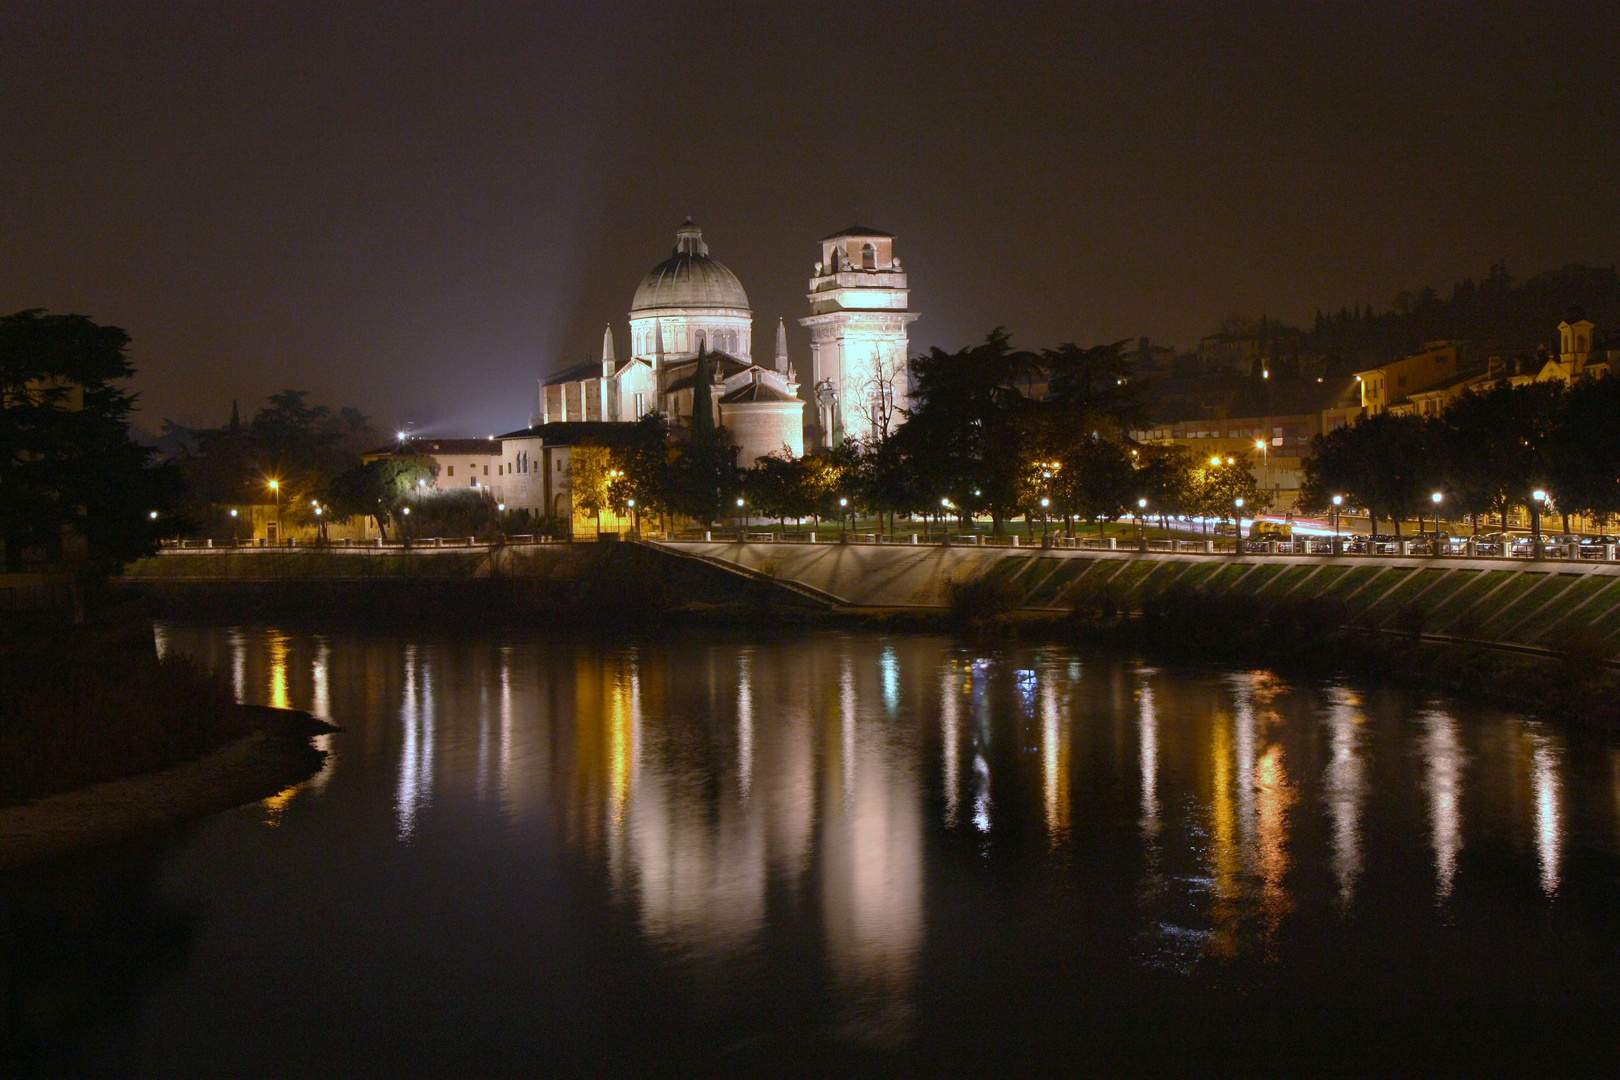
(826, 854)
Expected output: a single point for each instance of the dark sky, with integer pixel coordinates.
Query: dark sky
(417, 209)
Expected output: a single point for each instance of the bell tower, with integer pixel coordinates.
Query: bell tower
(859, 311)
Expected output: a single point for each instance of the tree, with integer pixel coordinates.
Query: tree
(376, 489)
(1497, 443)
(1583, 451)
(68, 467)
(968, 426)
(1092, 481)
(1220, 482)
(1384, 463)
(1164, 477)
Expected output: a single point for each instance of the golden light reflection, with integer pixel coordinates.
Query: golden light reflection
(239, 665)
(1443, 763)
(1224, 856)
(278, 672)
(276, 805)
(622, 708)
(1275, 796)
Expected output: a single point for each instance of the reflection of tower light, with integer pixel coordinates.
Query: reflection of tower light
(1345, 787)
(1054, 762)
(889, 664)
(745, 726)
(322, 708)
(278, 672)
(981, 793)
(1545, 768)
(506, 721)
(846, 721)
(873, 889)
(160, 640)
(416, 757)
(1443, 763)
(950, 724)
(1147, 734)
(239, 666)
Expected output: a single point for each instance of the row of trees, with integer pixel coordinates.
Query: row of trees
(991, 431)
(1488, 454)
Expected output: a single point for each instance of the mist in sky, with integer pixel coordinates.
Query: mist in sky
(418, 209)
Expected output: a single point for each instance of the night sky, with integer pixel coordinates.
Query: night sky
(417, 209)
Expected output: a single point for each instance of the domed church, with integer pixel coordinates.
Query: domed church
(691, 306)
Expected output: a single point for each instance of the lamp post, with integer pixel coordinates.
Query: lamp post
(1046, 522)
(275, 487)
(1141, 528)
(1338, 501)
(742, 512)
(1537, 497)
(843, 512)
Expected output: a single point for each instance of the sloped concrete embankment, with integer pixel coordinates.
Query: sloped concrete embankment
(1508, 602)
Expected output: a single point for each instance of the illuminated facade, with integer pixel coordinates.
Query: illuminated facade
(859, 311)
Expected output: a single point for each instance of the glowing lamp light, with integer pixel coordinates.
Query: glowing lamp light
(233, 513)
(1539, 495)
(1238, 503)
(740, 502)
(1215, 459)
(1259, 444)
(1437, 496)
(406, 511)
(152, 515)
(275, 485)
(1142, 503)
(1230, 460)
(843, 502)
(945, 502)
(317, 511)
(1045, 503)
(502, 506)
(1338, 500)
(1265, 374)
(630, 502)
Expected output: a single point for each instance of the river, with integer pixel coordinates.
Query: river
(822, 854)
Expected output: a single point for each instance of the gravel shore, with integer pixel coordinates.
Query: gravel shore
(277, 755)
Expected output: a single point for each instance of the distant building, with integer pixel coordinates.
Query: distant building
(453, 463)
(1394, 382)
(688, 306)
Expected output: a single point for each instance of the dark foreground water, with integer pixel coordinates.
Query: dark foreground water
(828, 855)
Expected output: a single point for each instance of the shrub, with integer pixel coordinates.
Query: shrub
(982, 599)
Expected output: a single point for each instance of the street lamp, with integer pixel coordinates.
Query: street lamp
(1537, 497)
(1338, 501)
(1046, 527)
(1141, 533)
(152, 515)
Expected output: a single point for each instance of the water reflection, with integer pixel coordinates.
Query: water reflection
(721, 788)
(1443, 759)
(1546, 776)
(1345, 789)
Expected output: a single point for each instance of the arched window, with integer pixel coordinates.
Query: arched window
(868, 256)
(700, 341)
(731, 343)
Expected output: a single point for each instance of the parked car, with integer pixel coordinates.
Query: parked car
(1591, 547)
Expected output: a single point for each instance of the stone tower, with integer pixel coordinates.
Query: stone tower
(859, 311)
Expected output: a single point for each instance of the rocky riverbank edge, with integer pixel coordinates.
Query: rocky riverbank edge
(277, 754)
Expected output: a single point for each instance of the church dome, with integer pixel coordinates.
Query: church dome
(689, 278)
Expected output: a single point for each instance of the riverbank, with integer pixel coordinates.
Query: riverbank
(275, 754)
